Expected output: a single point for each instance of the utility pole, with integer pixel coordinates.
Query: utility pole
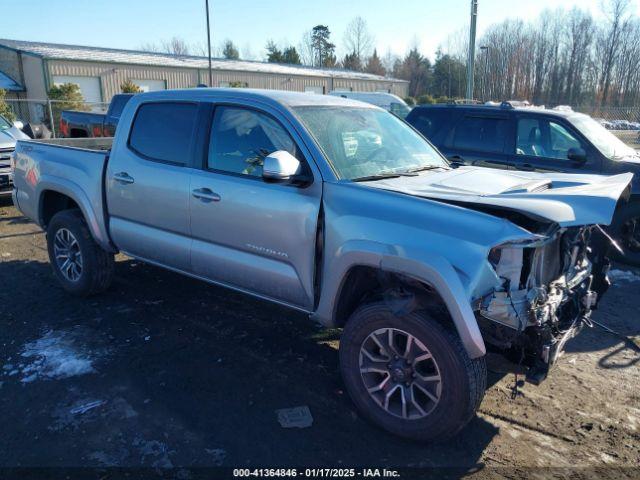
(472, 48)
(209, 44)
(485, 77)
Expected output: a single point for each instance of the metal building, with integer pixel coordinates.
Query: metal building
(31, 68)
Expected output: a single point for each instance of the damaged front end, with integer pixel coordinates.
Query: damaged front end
(548, 287)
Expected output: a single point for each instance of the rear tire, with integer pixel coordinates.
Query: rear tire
(81, 266)
(626, 230)
(462, 380)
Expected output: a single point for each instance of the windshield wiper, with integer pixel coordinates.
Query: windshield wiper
(423, 168)
(378, 176)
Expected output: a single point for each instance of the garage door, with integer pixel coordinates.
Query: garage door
(89, 86)
(314, 89)
(150, 85)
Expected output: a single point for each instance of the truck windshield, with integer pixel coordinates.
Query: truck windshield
(605, 141)
(367, 142)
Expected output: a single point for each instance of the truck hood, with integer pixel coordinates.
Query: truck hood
(566, 199)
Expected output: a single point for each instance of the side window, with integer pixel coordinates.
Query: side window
(483, 134)
(117, 106)
(544, 138)
(529, 138)
(242, 138)
(430, 122)
(163, 131)
(561, 141)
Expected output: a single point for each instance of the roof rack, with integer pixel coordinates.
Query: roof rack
(515, 104)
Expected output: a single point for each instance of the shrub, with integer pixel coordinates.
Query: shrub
(129, 87)
(410, 101)
(5, 110)
(425, 99)
(68, 97)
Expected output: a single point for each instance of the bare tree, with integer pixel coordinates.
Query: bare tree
(610, 39)
(305, 48)
(357, 39)
(175, 46)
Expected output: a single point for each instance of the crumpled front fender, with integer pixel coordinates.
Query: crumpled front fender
(433, 270)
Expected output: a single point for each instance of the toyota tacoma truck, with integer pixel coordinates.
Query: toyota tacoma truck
(338, 209)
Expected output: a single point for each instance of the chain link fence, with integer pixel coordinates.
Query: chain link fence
(41, 112)
(624, 122)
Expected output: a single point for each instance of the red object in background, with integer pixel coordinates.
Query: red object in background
(64, 128)
(97, 130)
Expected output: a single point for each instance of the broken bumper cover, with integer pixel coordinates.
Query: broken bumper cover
(548, 291)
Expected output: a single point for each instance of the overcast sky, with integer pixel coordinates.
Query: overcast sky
(396, 24)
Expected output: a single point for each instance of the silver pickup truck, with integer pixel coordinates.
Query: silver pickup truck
(338, 209)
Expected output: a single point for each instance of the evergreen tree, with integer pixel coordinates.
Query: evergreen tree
(374, 65)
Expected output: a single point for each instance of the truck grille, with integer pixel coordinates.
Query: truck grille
(5, 157)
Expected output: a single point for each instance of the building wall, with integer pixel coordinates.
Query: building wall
(10, 64)
(113, 75)
(34, 83)
(300, 82)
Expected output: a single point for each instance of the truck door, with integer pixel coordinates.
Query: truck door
(548, 144)
(148, 184)
(249, 234)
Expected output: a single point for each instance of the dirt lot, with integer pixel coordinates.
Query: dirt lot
(165, 371)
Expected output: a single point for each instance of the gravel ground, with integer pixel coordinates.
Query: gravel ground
(165, 371)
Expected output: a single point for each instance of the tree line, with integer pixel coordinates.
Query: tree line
(563, 57)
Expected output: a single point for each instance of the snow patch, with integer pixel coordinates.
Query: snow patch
(55, 356)
(624, 276)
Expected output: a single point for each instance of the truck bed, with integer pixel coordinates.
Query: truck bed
(70, 166)
(99, 143)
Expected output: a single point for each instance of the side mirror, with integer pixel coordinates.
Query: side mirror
(18, 124)
(577, 155)
(281, 167)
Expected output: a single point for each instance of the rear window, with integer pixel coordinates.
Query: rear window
(163, 131)
(482, 134)
(117, 105)
(430, 122)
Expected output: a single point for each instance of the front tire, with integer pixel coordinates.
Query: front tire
(626, 230)
(410, 375)
(81, 266)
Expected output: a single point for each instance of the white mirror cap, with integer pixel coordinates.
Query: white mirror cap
(280, 165)
(18, 124)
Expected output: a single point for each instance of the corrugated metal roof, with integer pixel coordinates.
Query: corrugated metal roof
(111, 55)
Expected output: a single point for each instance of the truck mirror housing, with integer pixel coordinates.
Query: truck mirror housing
(18, 124)
(577, 155)
(280, 166)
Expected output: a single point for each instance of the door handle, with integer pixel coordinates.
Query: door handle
(526, 167)
(206, 195)
(123, 177)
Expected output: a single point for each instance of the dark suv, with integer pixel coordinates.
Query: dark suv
(530, 138)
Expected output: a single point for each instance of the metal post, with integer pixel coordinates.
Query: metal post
(485, 89)
(209, 44)
(472, 48)
(53, 127)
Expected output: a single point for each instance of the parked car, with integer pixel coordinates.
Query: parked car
(10, 132)
(76, 124)
(537, 139)
(387, 101)
(342, 211)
